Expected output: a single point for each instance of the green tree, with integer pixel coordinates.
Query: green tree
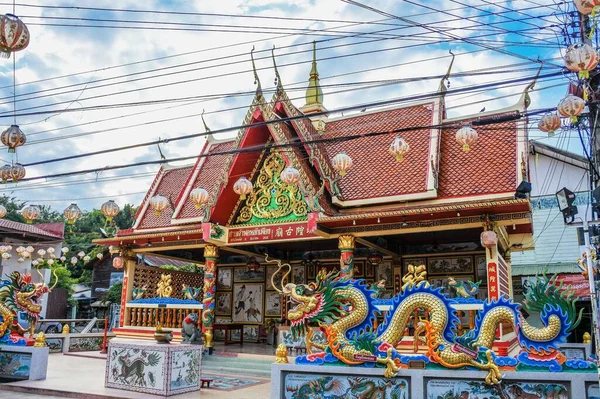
(113, 295)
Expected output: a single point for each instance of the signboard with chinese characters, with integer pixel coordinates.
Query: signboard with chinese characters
(288, 231)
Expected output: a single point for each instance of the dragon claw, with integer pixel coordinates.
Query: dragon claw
(390, 366)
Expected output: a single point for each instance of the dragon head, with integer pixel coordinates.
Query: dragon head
(23, 295)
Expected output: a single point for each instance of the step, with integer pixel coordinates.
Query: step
(237, 370)
(237, 360)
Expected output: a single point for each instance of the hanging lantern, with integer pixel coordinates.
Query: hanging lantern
(20, 249)
(571, 107)
(17, 172)
(159, 204)
(399, 148)
(253, 265)
(72, 213)
(581, 58)
(13, 137)
(549, 123)
(14, 35)
(63, 258)
(74, 260)
(242, 187)
(20, 260)
(375, 258)
(41, 252)
(26, 254)
(341, 163)
(30, 249)
(100, 256)
(5, 173)
(86, 258)
(2, 211)
(30, 213)
(6, 255)
(290, 175)
(64, 250)
(466, 136)
(489, 239)
(118, 262)
(199, 197)
(81, 254)
(587, 7)
(110, 209)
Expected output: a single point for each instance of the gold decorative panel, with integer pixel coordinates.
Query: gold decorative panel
(151, 276)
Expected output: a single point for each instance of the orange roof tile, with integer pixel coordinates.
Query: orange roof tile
(375, 173)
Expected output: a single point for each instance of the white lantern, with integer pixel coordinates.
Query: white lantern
(199, 197)
(13, 137)
(399, 148)
(290, 175)
(64, 250)
(110, 209)
(41, 252)
(17, 172)
(50, 262)
(86, 259)
(20, 249)
(466, 136)
(74, 260)
(342, 163)
(20, 260)
(549, 123)
(34, 263)
(30, 213)
(72, 213)
(51, 250)
(6, 255)
(581, 58)
(2, 211)
(100, 256)
(242, 187)
(30, 249)
(81, 254)
(26, 254)
(63, 258)
(159, 204)
(571, 107)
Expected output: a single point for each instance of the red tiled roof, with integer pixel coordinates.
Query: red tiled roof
(375, 173)
(207, 177)
(489, 168)
(47, 230)
(170, 184)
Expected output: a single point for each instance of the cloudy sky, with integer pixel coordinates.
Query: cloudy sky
(186, 50)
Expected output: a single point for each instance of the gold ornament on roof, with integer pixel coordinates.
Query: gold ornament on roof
(415, 277)
(164, 289)
(271, 198)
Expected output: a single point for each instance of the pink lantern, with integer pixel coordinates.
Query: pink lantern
(118, 262)
(199, 197)
(549, 123)
(489, 239)
(14, 35)
(571, 107)
(159, 204)
(581, 58)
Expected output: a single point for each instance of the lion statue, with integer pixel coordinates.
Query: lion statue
(189, 330)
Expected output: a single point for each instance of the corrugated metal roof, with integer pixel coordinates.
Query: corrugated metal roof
(533, 269)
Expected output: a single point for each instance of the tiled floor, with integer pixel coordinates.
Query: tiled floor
(80, 377)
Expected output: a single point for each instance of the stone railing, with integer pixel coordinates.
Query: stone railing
(168, 316)
(66, 343)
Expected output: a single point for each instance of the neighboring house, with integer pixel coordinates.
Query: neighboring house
(557, 246)
(39, 236)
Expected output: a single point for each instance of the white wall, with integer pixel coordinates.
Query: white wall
(549, 175)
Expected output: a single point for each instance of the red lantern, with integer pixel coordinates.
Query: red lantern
(253, 265)
(118, 262)
(489, 239)
(581, 58)
(14, 35)
(374, 259)
(571, 107)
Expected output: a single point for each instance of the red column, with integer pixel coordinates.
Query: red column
(211, 255)
(346, 246)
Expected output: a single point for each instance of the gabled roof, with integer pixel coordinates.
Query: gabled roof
(52, 231)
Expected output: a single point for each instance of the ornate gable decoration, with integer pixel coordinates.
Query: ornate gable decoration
(272, 200)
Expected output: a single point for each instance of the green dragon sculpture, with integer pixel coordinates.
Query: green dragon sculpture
(345, 310)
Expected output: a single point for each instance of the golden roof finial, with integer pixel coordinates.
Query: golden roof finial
(277, 77)
(256, 78)
(206, 128)
(314, 94)
(443, 88)
(525, 99)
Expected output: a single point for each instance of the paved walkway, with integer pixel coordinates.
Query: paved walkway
(77, 377)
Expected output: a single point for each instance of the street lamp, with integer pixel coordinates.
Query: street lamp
(565, 199)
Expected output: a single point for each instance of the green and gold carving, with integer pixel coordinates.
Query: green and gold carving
(271, 199)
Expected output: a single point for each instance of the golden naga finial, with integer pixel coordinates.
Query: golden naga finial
(277, 77)
(66, 329)
(206, 128)
(256, 78)
(416, 276)
(281, 354)
(525, 99)
(40, 340)
(443, 88)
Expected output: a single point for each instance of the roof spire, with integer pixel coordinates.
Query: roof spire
(256, 78)
(314, 94)
(443, 88)
(206, 128)
(525, 99)
(277, 77)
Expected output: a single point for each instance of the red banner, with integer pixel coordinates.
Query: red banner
(576, 282)
(493, 285)
(270, 233)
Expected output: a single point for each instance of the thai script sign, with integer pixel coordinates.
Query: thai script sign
(461, 349)
(365, 358)
(577, 282)
(269, 233)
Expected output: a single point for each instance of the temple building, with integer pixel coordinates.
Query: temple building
(367, 194)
